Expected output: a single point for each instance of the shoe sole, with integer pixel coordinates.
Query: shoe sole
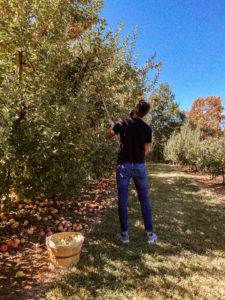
(152, 242)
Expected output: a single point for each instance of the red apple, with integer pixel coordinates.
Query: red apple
(14, 245)
(34, 228)
(42, 233)
(24, 231)
(60, 228)
(47, 230)
(9, 243)
(3, 248)
(49, 233)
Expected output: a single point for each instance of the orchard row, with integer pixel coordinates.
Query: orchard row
(188, 147)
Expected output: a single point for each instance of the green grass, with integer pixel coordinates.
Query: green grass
(187, 262)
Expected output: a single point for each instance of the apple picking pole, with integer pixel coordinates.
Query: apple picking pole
(96, 83)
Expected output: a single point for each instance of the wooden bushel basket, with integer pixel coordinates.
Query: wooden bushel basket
(63, 256)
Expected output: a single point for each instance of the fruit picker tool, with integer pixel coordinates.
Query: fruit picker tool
(100, 93)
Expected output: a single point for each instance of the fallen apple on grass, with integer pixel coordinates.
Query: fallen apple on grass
(24, 231)
(42, 233)
(26, 222)
(17, 241)
(91, 258)
(19, 274)
(11, 221)
(9, 243)
(15, 225)
(60, 228)
(4, 248)
(14, 245)
(30, 231)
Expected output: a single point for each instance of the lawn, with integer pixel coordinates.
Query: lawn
(187, 261)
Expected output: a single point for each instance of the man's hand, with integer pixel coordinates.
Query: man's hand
(111, 124)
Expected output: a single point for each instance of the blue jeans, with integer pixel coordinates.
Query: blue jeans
(123, 174)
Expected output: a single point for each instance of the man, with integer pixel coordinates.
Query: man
(135, 142)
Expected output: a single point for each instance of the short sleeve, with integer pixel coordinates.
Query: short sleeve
(118, 127)
(149, 136)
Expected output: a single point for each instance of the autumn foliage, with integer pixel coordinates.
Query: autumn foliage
(207, 114)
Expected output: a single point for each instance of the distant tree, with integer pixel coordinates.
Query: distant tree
(206, 113)
(188, 147)
(183, 146)
(164, 117)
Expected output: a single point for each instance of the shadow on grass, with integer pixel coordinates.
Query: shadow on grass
(187, 221)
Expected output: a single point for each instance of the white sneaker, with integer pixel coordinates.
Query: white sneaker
(123, 237)
(152, 237)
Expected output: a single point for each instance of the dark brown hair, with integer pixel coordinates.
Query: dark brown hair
(142, 108)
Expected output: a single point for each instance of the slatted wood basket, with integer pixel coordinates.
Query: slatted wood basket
(63, 256)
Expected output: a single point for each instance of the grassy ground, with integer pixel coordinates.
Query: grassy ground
(187, 262)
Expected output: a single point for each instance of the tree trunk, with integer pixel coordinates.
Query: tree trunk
(19, 59)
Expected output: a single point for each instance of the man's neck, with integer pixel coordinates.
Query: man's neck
(135, 116)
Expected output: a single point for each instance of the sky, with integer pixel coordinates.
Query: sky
(188, 37)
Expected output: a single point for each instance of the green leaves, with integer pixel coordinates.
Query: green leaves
(53, 121)
(164, 117)
(188, 148)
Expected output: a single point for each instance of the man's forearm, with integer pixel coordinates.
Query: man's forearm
(147, 148)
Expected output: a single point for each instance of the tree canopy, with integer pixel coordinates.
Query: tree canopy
(53, 121)
(164, 117)
(206, 113)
